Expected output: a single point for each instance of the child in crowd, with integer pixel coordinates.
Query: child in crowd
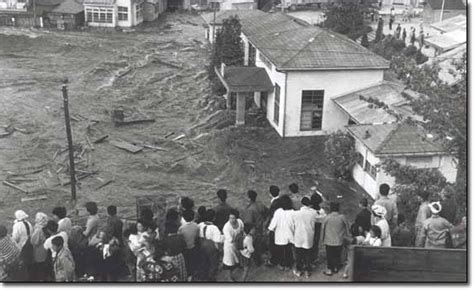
(248, 249)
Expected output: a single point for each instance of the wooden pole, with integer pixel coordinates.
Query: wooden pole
(442, 11)
(34, 13)
(72, 170)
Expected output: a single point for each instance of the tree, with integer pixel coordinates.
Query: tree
(227, 49)
(347, 19)
(364, 41)
(379, 31)
(340, 153)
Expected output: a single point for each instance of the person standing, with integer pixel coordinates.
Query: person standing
(435, 229)
(389, 204)
(248, 249)
(305, 220)
(52, 232)
(412, 36)
(9, 257)
(274, 205)
(402, 235)
(190, 232)
(174, 246)
(64, 223)
(316, 200)
(404, 35)
(295, 196)
(21, 235)
(113, 225)
(38, 237)
(398, 31)
(282, 224)
(364, 217)
(424, 213)
(379, 212)
(334, 230)
(93, 221)
(232, 229)
(450, 206)
(255, 213)
(222, 210)
(63, 263)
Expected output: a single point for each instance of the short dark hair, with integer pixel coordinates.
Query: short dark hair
(172, 215)
(364, 202)
(3, 231)
(222, 194)
(60, 211)
(334, 206)
(285, 202)
(132, 229)
(202, 211)
(234, 212)
(112, 210)
(58, 241)
(425, 195)
(144, 223)
(252, 194)
(188, 215)
(384, 189)
(377, 231)
(274, 190)
(306, 201)
(91, 207)
(316, 200)
(171, 227)
(293, 188)
(151, 226)
(187, 203)
(52, 226)
(210, 215)
(248, 227)
(146, 214)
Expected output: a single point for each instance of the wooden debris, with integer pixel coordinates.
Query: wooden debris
(21, 130)
(80, 177)
(101, 139)
(19, 179)
(105, 184)
(129, 121)
(169, 134)
(168, 63)
(249, 161)
(154, 147)
(89, 143)
(126, 146)
(190, 155)
(179, 137)
(14, 186)
(32, 198)
(7, 131)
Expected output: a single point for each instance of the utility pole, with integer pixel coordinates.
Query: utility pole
(72, 170)
(442, 11)
(214, 25)
(34, 13)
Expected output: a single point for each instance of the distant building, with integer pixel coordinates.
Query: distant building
(238, 5)
(406, 144)
(68, 15)
(434, 11)
(16, 5)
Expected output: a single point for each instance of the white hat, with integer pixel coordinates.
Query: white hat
(379, 210)
(435, 207)
(20, 215)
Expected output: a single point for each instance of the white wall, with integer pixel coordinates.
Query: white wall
(446, 165)
(334, 84)
(238, 5)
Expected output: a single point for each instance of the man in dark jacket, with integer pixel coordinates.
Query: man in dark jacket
(274, 205)
(363, 218)
(222, 210)
(114, 225)
(255, 213)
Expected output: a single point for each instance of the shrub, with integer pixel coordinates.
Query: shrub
(340, 153)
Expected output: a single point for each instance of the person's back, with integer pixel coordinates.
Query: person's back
(363, 218)
(190, 233)
(283, 226)
(305, 221)
(114, 225)
(334, 229)
(436, 230)
(389, 204)
(208, 262)
(222, 210)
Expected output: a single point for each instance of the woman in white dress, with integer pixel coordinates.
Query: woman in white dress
(232, 229)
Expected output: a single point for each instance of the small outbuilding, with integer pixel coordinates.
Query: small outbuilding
(68, 15)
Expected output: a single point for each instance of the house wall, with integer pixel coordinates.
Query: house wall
(432, 16)
(153, 9)
(131, 21)
(334, 83)
(13, 5)
(66, 21)
(238, 5)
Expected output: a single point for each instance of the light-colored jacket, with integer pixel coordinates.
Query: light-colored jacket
(64, 266)
(305, 220)
(283, 226)
(19, 233)
(435, 231)
(334, 229)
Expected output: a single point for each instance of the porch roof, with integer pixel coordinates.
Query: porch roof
(448, 40)
(239, 79)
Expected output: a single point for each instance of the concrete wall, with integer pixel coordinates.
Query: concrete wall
(334, 84)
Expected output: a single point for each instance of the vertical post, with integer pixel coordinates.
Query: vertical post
(214, 25)
(34, 13)
(72, 170)
(442, 11)
(240, 114)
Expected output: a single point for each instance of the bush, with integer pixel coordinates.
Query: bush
(410, 51)
(389, 47)
(340, 153)
(420, 57)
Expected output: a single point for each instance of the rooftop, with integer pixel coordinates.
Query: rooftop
(292, 45)
(221, 15)
(395, 139)
(48, 2)
(246, 79)
(445, 61)
(360, 110)
(69, 7)
(448, 4)
(448, 40)
(450, 24)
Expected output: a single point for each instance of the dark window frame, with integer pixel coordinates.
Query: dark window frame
(316, 98)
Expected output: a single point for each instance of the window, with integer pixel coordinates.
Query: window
(276, 106)
(360, 159)
(252, 54)
(139, 10)
(122, 13)
(312, 110)
(265, 61)
(99, 15)
(371, 170)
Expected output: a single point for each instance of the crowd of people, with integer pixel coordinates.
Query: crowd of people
(194, 245)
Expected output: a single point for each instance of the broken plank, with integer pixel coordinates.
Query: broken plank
(179, 137)
(134, 121)
(126, 146)
(79, 178)
(14, 186)
(104, 184)
(169, 134)
(32, 198)
(155, 147)
(101, 139)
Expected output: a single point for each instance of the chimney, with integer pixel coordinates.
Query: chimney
(367, 134)
(222, 69)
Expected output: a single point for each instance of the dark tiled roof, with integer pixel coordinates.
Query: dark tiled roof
(291, 45)
(246, 79)
(395, 139)
(359, 110)
(448, 4)
(241, 14)
(69, 7)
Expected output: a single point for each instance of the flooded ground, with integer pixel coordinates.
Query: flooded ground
(157, 71)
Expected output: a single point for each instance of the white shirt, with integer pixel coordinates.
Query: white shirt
(212, 233)
(48, 244)
(385, 228)
(19, 233)
(65, 225)
(283, 225)
(305, 221)
(248, 247)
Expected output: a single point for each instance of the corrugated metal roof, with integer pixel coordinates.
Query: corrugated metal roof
(395, 139)
(360, 111)
(448, 40)
(450, 24)
(69, 7)
(246, 79)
